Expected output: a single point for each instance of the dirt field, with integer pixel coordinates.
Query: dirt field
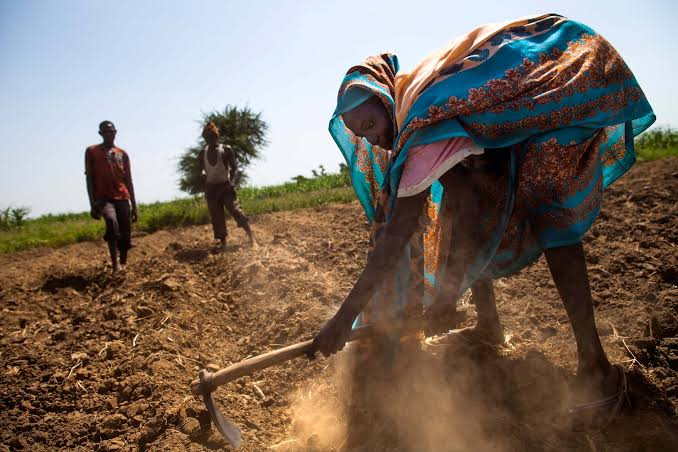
(93, 362)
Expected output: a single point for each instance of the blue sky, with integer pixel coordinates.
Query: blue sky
(153, 67)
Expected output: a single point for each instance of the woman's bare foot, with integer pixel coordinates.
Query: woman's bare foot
(474, 335)
(597, 398)
(597, 384)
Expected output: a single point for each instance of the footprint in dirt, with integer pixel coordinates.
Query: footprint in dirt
(79, 282)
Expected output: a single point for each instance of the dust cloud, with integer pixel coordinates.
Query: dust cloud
(427, 400)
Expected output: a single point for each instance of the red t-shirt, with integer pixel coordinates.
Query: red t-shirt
(109, 170)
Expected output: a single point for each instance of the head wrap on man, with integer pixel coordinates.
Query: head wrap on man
(210, 128)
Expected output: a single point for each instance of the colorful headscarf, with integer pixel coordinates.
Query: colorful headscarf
(367, 164)
(210, 128)
(373, 77)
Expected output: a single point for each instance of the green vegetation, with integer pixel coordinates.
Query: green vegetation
(239, 128)
(17, 233)
(57, 230)
(657, 143)
(13, 217)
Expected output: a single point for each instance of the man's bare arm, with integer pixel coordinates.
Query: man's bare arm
(130, 186)
(232, 165)
(89, 181)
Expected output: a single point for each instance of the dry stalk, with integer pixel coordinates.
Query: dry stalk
(615, 334)
(507, 346)
(671, 313)
(635, 360)
(617, 337)
(144, 318)
(38, 330)
(73, 368)
(591, 444)
(193, 360)
(599, 267)
(258, 390)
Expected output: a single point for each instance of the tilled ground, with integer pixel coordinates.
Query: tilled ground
(95, 362)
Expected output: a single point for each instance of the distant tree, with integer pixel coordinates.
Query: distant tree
(240, 128)
(13, 217)
(319, 172)
(19, 215)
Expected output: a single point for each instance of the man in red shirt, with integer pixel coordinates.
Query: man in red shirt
(110, 190)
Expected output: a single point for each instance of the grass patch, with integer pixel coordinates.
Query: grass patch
(655, 144)
(649, 154)
(322, 188)
(59, 230)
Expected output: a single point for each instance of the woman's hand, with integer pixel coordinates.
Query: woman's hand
(332, 337)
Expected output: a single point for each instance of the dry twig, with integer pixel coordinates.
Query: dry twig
(258, 390)
(635, 360)
(78, 364)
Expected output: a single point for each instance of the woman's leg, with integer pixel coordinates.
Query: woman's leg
(486, 307)
(568, 269)
(487, 330)
(465, 208)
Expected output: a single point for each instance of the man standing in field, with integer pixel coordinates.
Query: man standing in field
(217, 163)
(110, 190)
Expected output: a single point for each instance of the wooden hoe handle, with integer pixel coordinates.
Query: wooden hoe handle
(251, 365)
